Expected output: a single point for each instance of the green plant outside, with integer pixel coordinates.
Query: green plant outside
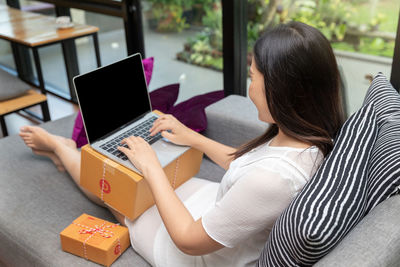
(388, 10)
(344, 22)
(205, 49)
(168, 14)
(370, 46)
(168, 17)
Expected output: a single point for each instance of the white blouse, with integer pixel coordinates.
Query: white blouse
(239, 212)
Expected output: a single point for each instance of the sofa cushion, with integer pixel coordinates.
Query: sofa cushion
(384, 167)
(37, 202)
(331, 203)
(375, 241)
(11, 86)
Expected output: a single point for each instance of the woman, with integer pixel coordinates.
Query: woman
(295, 88)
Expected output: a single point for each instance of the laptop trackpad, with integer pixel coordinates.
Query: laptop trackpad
(168, 152)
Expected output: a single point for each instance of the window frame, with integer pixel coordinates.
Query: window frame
(395, 75)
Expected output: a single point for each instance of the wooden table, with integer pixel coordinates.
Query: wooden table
(35, 31)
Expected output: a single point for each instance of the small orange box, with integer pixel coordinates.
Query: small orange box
(125, 190)
(95, 239)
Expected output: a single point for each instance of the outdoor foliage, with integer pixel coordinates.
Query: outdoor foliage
(166, 15)
(205, 49)
(171, 15)
(350, 25)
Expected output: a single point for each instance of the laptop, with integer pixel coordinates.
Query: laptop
(115, 104)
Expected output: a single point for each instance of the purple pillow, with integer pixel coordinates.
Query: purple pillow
(148, 64)
(78, 133)
(192, 111)
(164, 98)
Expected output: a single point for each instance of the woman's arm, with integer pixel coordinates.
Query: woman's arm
(188, 235)
(217, 152)
(178, 133)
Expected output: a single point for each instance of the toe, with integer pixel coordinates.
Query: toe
(26, 137)
(31, 129)
(27, 140)
(25, 128)
(24, 134)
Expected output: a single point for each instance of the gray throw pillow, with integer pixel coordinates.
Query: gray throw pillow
(331, 203)
(11, 86)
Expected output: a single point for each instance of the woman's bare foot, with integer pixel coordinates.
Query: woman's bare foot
(39, 139)
(52, 156)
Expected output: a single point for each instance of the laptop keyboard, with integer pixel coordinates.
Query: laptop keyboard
(141, 130)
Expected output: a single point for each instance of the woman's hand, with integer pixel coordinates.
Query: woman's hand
(140, 153)
(173, 130)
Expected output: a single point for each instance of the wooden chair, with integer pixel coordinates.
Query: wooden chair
(27, 100)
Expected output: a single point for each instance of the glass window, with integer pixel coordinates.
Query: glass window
(362, 32)
(111, 39)
(6, 57)
(185, 39)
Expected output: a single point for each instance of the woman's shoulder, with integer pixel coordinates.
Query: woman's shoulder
(293, 164)
(266, 155)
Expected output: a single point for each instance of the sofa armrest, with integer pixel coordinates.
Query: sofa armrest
(233, 121)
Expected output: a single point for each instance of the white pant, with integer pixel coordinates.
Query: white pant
(149, 237)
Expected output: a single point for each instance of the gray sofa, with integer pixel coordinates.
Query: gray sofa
(37, 202)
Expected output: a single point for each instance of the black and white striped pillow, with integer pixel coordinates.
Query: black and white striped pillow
(384, 166)
(331, 203)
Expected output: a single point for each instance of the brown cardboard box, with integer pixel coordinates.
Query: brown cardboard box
(95, 239)
(125, 190)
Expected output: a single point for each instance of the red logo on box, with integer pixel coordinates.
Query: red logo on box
(105, 186)
(117, 249)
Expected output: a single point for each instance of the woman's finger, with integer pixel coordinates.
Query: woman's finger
(163, 118)
(167, 135)
(157, 122)
(130, 142)
(163, 126)
(124, 150)
(137, 139)
(160, 118)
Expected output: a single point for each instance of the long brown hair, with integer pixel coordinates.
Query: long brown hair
(302, 86)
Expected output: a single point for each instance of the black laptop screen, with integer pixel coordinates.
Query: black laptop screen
(112, 96)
